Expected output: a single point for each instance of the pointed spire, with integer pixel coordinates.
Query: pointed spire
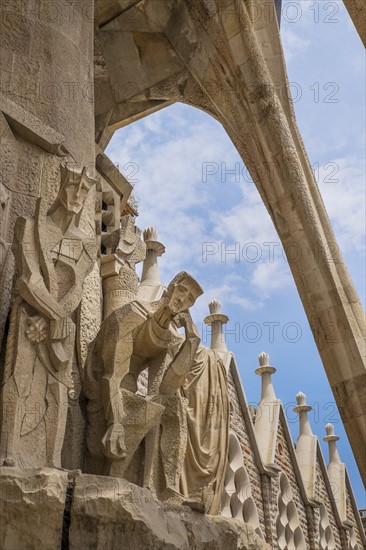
(302, 409)
(265, 371)
(216, 320)
(332, 439)
(336, 472)
(150, 287)
(306, 447)
(268, 412)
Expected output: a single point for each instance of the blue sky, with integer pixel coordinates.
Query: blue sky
(180, 161)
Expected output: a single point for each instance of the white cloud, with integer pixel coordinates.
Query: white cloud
(246, 222)
(232, 290)
(189, 213)
(170, 191)
(270, 277)
(293, 44)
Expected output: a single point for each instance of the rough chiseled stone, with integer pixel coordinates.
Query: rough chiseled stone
(113, 513)
(32, 504)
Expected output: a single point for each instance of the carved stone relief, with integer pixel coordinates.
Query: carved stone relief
(41, 376)
(326, 537)
(237, 500)
(289, 532)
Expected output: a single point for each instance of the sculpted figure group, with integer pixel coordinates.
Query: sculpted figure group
(171, 438)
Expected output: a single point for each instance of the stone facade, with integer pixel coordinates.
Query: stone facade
(96, 376)
(265, 486)
(318, 517)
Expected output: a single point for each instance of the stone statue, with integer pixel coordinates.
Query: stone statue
(134, 337)
(204, 467)
(118, 272)
(6, 268)
(186, 455)
(165, 444)
(53, 257)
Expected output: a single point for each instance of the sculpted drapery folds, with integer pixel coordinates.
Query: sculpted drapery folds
(194, 453)
(53, 257)
(205, 388)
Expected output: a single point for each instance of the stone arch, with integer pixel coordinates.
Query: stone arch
(237, 499)
(187, 53)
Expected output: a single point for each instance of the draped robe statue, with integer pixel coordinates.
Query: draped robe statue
(204, 467)
(53, 257)
(187, 454)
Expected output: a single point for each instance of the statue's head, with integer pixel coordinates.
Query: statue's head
(182, 292)
(76, 183)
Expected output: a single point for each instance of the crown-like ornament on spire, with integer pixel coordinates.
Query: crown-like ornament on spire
(150, 288)
(216, 320)
(151, 240)
(264, 366)
(336, 471)
(301, 403)
(332, 439)
(265, 371)
(329, 428)
(215, 313)
(150, 234)
(302, 410)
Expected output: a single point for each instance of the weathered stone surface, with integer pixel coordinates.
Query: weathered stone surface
(357, 12)
(106, 513)
(113, 513)
(218, 56)
(32, 506)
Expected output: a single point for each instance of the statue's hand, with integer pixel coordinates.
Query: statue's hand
(60, 328)
(37, 328)
(183, 319)
(114, 442)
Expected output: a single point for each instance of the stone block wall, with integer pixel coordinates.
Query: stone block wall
(237, 424)
(323, 496)
(284, 460)
(309, 517)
